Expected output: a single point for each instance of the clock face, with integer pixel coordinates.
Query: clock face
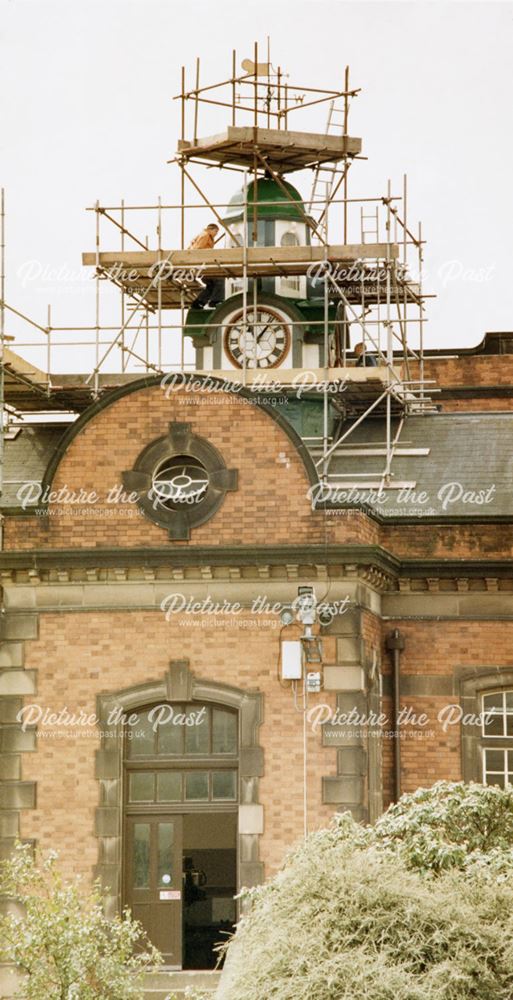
(263, 342)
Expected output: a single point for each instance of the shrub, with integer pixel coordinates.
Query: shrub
(64, 945)
(419, 907)
(450, 825)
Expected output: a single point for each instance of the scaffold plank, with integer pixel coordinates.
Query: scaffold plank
(170, 277)
(19, 367)
(301, 257)
(310, 379)
(284, 150)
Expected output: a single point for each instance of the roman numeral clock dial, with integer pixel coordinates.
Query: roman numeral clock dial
(263, 342)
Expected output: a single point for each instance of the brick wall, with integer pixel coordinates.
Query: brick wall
(80, 655)
(270, 506)
(438, 649)
(470, 370)
(473, 541)
(452, 541)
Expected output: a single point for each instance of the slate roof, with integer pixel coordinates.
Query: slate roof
(26, 457)
(468, 472)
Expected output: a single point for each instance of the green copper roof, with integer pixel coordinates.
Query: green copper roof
(267, 191)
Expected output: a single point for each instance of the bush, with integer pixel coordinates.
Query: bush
(64, 946)
(408, 910)
(450, 825)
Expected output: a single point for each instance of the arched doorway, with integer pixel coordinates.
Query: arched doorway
(181, 796)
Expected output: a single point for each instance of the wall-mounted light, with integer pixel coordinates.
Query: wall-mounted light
(287, 615)
(325, 616)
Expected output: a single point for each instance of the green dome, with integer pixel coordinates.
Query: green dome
(267, 191)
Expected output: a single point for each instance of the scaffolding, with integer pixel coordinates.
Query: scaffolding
(362, 253)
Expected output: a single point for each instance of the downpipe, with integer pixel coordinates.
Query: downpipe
(395, 645)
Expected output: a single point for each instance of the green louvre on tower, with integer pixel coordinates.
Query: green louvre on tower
(272, 202)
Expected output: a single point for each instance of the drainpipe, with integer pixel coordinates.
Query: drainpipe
(395, 645)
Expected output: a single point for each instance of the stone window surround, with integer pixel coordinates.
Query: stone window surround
(180, 441)
(178, 684)
(473, 684)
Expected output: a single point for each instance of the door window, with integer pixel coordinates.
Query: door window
(177, 730)
(170, 786)
(141, 856)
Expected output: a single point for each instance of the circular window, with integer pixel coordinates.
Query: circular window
(179, 482)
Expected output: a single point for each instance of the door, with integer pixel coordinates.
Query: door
(181, 760)
(153, 880)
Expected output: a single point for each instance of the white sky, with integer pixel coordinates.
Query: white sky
(86, 113)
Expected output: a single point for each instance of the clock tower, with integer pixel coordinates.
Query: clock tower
(273, 320)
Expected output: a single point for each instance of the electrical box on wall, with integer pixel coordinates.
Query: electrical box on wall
(291, 660)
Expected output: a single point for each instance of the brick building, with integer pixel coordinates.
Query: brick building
(153, 548)
(83, 625)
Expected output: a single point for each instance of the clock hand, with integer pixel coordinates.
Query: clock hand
(260, 335)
